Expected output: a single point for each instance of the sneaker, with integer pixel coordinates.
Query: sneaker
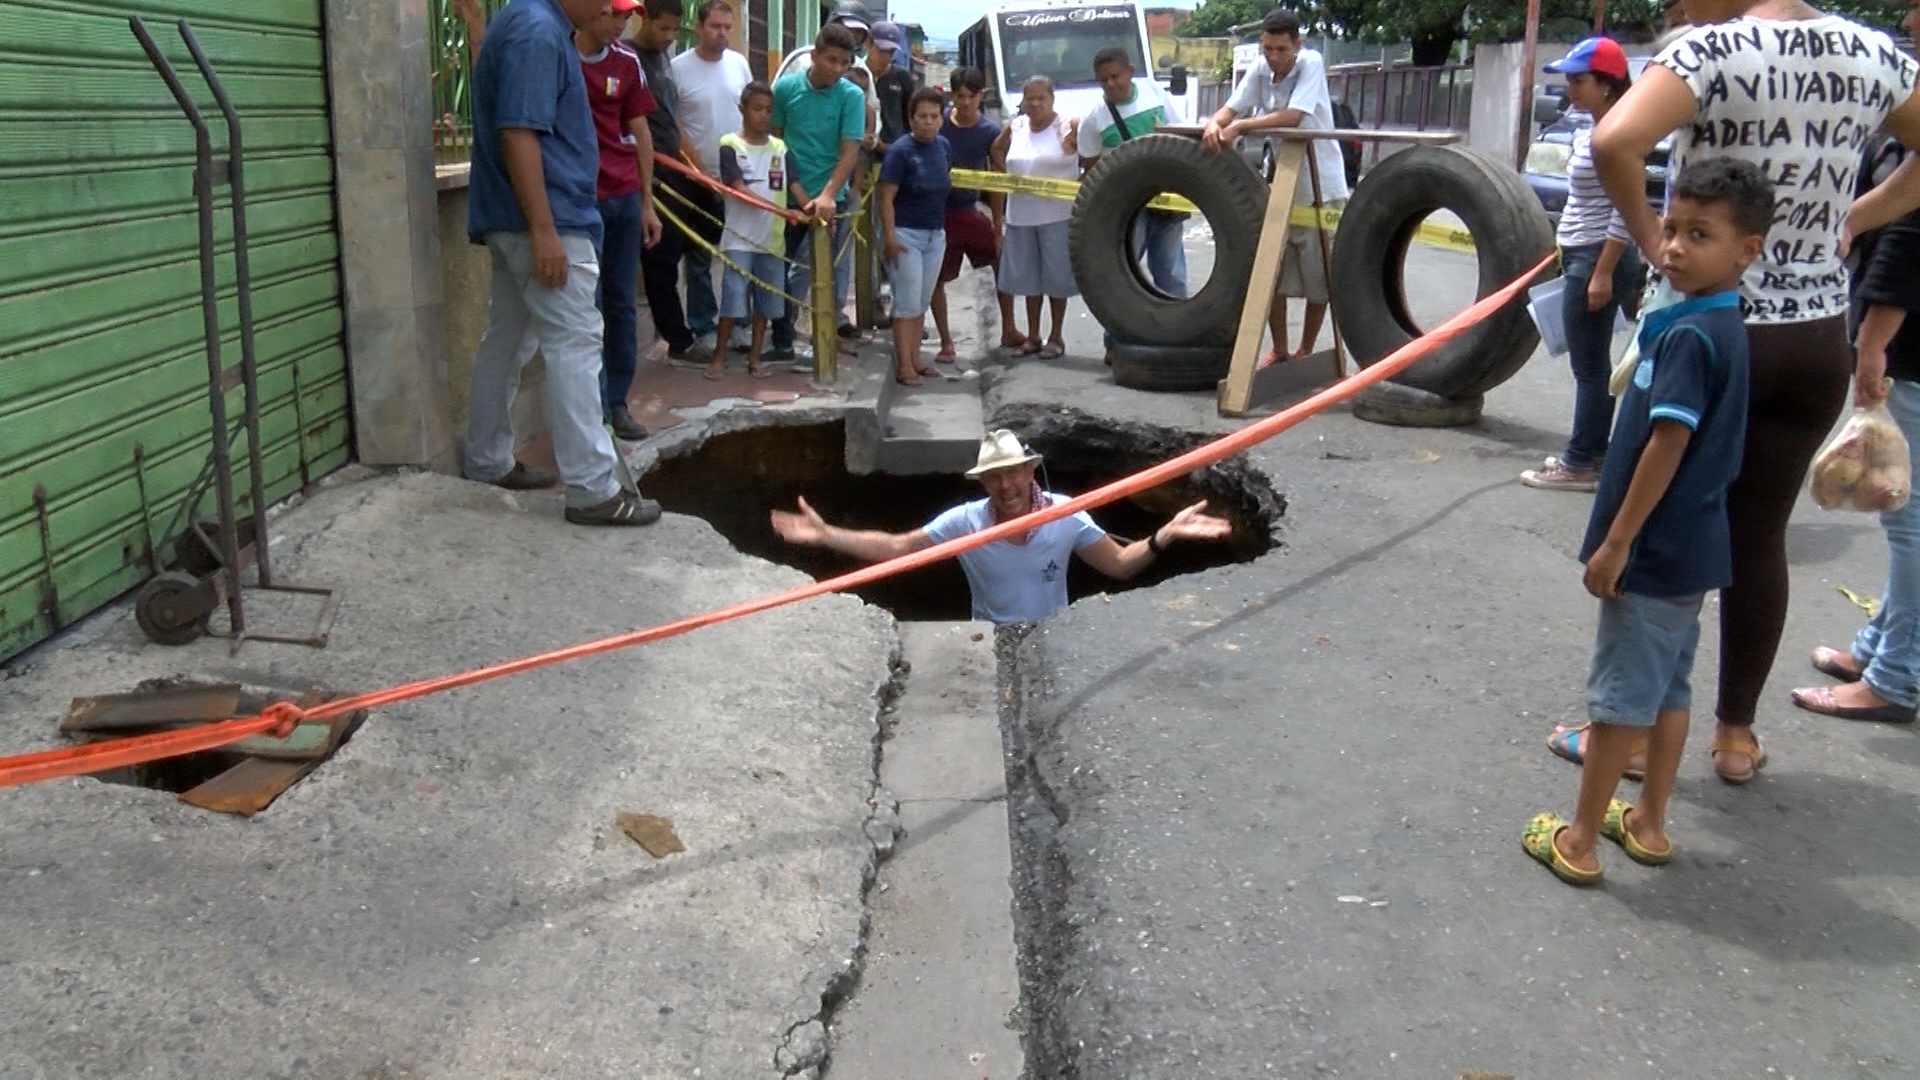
(848, 330)
(695, 353)
(625, 426)
(706, 341)
(624, 509)
(777, 355)
(523, 477)
(1556, 476)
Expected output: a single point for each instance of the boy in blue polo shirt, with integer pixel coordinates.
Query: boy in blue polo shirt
(1658, 537)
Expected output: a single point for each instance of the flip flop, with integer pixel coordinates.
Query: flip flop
(1751, 747)
(1537, 838)
(945, 356)
(907, 380)
(1028, 347)
(712, 375)
(1828, 662)
(759, 373)
(925, 370)
(1614, 828)
(1565, 744)
(1820, 699)
(1052, 350)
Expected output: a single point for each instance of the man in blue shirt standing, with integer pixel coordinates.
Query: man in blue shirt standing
(531, 201)
(1019, 579)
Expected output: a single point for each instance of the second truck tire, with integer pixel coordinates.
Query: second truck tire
(1229, 194)
(1510, 233)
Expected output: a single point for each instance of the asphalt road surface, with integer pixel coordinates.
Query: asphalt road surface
(1270, 815)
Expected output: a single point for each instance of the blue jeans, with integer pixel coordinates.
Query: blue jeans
(916, 271)
(703, 309)
(800, 255)
(1164, 241)
(1888, 647)
(1590, 349)
(619, 287)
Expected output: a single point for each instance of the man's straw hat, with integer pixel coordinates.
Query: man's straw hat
(1001, 449)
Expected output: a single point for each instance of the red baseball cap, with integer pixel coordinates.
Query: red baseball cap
(628, 7)
(1596, 56)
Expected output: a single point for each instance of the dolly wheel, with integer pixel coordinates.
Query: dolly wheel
(171, 607)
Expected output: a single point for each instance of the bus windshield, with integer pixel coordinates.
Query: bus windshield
(1060, 42)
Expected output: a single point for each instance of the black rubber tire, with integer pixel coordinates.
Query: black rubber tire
(1511, 234)
(1403, 406)
(1229, 194)
(169, 608)
(1169, 367)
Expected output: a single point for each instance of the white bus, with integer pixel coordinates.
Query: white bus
(1058, 39)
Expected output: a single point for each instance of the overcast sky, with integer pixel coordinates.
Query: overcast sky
(944, 19)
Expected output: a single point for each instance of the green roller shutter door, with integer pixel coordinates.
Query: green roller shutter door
(104, 420)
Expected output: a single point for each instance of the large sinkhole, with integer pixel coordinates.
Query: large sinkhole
(733, 478)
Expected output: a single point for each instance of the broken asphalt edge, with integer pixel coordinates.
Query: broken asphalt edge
(804, 1049)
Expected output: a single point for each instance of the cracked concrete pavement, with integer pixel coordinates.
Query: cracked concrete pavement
(449, 896)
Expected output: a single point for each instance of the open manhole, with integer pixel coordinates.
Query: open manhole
(242, 778)
(733, 479)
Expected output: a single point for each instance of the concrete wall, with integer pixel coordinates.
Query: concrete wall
(1494, 121)
(379, 74)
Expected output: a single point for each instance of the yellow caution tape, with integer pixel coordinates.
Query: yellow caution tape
(1328, 217)
(1868, 604)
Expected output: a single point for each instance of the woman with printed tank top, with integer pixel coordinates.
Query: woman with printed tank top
(1034, 258)
(1799, 93)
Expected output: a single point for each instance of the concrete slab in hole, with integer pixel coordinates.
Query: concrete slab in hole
(450, 896)
(939, 987)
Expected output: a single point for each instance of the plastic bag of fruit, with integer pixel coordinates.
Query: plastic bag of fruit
(1866, 467)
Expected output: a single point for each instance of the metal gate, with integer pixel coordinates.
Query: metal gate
(103, 382)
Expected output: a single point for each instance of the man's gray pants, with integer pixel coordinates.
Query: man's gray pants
(565, 322)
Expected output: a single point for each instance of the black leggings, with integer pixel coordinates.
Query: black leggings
(1800, 374)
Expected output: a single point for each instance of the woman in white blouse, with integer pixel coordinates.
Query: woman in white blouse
(1034, 260)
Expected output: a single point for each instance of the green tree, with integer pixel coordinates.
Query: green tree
(1213, 18)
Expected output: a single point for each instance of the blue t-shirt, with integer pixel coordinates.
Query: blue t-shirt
(924, 172)
(1693, 369)
(815, 122)
(528, 76)
(1016, 582)
(972, 149)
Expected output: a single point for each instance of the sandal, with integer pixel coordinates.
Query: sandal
(945, 356)
(713, 374)
(755, 371)
(1538, 839)
(1749, 747)
(1028, 347)
(1820, 699)
(1834, 664)
(1614, 828)
(1052, 350)
(1565, 743)
(907, 378)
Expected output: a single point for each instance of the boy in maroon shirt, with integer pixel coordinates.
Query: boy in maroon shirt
(621, 100)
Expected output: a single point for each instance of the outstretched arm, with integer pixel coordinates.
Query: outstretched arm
(806, 527)
(1120, 563)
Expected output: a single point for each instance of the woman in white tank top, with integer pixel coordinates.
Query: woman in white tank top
(1034, 261)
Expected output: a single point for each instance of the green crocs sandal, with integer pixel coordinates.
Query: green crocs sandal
(1614, 828)
(1537, 839)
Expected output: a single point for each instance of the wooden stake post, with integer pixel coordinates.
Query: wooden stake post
(821, 308)
(866, 267)
(1247, 383)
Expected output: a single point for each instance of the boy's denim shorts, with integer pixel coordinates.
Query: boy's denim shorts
(736, 290)
(1643, 658)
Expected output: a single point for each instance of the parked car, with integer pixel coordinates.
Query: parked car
(1258, 150)
(1545, 168)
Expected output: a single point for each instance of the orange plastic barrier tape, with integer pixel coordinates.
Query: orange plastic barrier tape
(692, 173)
(74, 761)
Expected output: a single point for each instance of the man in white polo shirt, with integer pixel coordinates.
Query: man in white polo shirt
(1289, 91)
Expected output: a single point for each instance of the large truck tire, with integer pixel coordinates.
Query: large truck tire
(1169, 367)
(1510, 233)
(1403, 406)
(1228, 193)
